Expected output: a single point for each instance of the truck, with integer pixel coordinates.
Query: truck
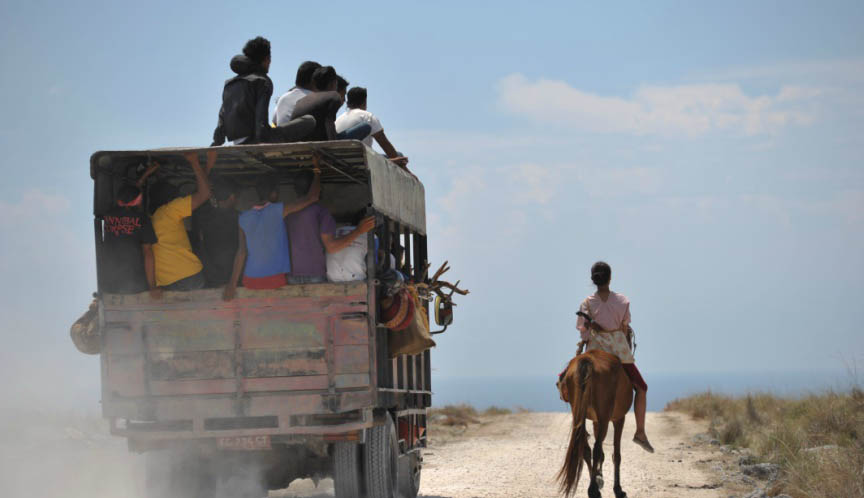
(242, 396)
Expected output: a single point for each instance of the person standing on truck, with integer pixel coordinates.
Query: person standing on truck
(357, 114)
(128, 239)
(303, 87)
(177, 267)
(263, 255)
(246, 101)
(214, 229)
(609, 330)
(312, 232)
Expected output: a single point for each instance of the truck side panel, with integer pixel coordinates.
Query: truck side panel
(194, 354)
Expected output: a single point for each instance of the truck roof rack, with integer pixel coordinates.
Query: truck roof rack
(394, 192)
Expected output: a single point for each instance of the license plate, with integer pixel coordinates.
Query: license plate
(244, 443)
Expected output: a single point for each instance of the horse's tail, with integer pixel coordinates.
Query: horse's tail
(568, 476)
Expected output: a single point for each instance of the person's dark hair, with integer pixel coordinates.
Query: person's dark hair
(356, 97)
(358, 216)
(266, 185)
(601, 273)
(303, 181)
(323, 77)
(162, 193)
(128, 193)
(257, 49)
(223, 188)
(304, 74)
(341, 84)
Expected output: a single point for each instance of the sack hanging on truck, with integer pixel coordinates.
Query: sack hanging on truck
(85, 331)
(405, 316)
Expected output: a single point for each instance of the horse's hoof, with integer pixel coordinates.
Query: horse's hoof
(599, 481)
(619, 493)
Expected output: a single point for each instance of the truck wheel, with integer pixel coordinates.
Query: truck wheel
(409, 474)
(347, 472)
(380, 460)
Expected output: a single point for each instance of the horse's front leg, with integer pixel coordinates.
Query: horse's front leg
(616, 458)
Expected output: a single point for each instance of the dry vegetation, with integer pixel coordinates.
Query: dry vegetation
(464, 415)
(817, 440)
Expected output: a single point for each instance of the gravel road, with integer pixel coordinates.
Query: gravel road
(518, 455)
(513, 456)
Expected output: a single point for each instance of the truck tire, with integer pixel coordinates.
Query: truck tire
(381, 460)
(410, 466)
(347, 472)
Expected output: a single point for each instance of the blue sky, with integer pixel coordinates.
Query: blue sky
(710, 152)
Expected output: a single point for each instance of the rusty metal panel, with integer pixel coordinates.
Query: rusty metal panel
(276, 330)
(346, 381)
(189, 331)
(284, 363)
(126, 340)
(354, 331)
(351, 359)
(177, 387)
(273, 384)
(287, 405)
(126, 375)
(192, 365)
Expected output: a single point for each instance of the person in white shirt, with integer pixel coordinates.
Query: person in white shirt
(303, 87)
(357, 115)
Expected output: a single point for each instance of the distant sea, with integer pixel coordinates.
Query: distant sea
(539, 393)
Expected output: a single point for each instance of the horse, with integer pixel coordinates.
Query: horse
(597, 388)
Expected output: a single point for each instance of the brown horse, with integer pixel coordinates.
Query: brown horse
(597, 388)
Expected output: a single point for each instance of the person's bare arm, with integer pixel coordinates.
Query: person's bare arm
(150, 271)
(239, 260)
(310, 198)
(151, 168)
(211, 160)
(389, 150)
(333, 245)
(201, 195)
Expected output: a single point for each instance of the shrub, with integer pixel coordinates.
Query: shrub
(818, 439)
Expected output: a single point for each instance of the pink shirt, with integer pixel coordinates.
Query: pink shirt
(612, 315)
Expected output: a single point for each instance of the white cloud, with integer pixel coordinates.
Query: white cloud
(689, 110)
(535, 183)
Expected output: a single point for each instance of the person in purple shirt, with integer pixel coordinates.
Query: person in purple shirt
(312, 234)
(263, 256)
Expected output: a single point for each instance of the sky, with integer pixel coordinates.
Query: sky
(710, 152)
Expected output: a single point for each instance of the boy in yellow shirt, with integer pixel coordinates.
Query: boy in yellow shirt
(177, 267)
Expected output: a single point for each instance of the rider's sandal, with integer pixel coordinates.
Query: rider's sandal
(644, 444)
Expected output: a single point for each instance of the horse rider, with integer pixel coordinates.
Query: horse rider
(607, 328)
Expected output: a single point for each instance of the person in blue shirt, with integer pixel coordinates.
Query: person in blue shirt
(262, 246)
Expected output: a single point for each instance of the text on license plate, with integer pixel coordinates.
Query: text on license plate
(244, 443)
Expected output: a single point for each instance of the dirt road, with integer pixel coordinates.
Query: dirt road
(517, 456)
(513, 456)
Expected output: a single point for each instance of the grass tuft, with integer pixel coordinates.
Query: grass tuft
(818, 439)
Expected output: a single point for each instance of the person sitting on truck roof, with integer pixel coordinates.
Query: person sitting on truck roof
(263, 254)
(246, 100)
(128, 245)
(303, 86)
(312, 232)
(323, 104)
(177, 267)
(214, 229)
(357, 114)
